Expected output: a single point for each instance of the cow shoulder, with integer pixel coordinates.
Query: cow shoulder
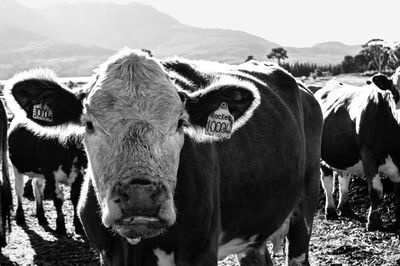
(378, 118)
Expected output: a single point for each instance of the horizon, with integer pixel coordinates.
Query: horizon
(336, 25)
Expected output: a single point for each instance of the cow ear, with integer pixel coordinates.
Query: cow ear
(382, 82)
(43, 99)
(230, 103)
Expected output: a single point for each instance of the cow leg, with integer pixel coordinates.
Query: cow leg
(75, 193)
(257, 257)
(301, 221)
(328, 184)
(58, 198)
(396, 189)
(344, 204)
(38, 191)
(375, 190)
(19, 189)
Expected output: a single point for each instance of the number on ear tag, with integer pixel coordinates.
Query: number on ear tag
(42, 112)
(220, 122)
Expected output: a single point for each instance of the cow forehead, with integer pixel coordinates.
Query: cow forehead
(136, 87)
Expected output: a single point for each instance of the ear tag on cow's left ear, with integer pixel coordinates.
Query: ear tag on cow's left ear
(42, 112)
(220, 122)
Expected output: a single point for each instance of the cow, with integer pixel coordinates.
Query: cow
(188, 161)
(361, 136)
(48, 162)
(5, 186)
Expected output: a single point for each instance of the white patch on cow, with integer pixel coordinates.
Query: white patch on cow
(19, 184)
(58, 190)
(300, 260)
(357, 169)
(390, 170)
(377, 185)
(396, 81)
(234, 246)
(164, 259)
(62, 177)
(134, 241)
(278, 237)
(33, 175)
(198, 133)
(328, 185)
(344, 181)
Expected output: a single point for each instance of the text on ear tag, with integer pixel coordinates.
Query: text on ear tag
(42, 112)
(219, 123)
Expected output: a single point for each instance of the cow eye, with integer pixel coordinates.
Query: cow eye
(89, 126)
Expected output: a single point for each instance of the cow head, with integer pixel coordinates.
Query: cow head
(134, 119)
(382, 82)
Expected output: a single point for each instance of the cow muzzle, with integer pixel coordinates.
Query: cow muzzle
(139, 208)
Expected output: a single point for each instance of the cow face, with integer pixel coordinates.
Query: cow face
(135, 119)
(382, 82)
(396, 82)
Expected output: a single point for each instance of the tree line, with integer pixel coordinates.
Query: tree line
(375, 56)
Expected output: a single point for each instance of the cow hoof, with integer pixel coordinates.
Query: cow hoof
(20, 217)
(374, 222)
(330, 214)
(61, 231)
(78, 228)
(346, 211)
(42, 221)
(60, 226)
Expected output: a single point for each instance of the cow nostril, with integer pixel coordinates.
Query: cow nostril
(140, 182)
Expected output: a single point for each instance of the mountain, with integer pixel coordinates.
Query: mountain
(24, 49)
(138, 25)
(13, 13)
(74, 38)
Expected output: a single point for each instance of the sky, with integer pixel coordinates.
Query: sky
(298, 23)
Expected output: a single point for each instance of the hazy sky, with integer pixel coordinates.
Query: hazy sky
(287, 22)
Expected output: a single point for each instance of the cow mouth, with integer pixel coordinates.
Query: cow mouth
(138, 219)
(140, 227)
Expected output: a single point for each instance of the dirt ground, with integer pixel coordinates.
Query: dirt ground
(342, 242)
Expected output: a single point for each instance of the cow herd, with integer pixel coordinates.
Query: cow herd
(184, 162)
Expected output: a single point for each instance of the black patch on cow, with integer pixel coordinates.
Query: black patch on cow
(238, 100)
(197, 79)
(64, 105)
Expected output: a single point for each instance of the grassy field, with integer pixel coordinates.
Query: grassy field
(351, 79)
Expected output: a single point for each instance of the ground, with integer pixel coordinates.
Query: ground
(342, 242)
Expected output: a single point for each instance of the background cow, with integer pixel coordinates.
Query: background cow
(5, 186)
(361, 136)
(170, 193)
(48, 162)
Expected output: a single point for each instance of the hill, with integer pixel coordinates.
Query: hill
(74, 38)
(25, 49)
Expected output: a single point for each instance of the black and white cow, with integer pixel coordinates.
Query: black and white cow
(189, 161)
(361, 136)
(5, 186)
(49, 163)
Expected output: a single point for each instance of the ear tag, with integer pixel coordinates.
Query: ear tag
(219, 123)
(42, 112)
